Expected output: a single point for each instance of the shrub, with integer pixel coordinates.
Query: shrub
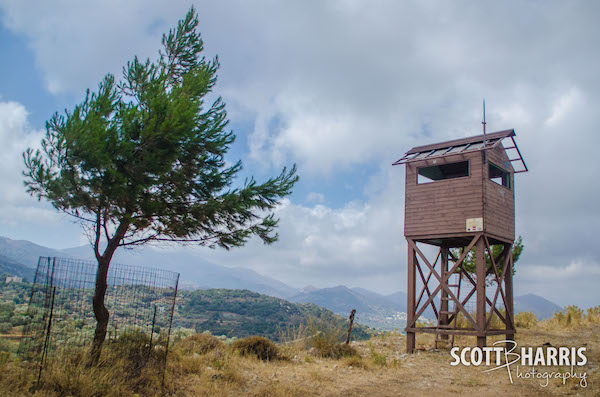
(133, 349)
(355, 361)
(378, 358)
(326, 339)
(593, 315)
(5, 328)
(525, 320)
(199, 343)
(568, 317)
(70, 379)
(294, 334)
(463, 322)
(328, 348)
(257, 346)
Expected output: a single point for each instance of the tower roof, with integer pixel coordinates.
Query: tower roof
(465, 145)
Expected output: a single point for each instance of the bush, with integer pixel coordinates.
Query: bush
(135, 350)
(5, 328)
(593, 315)
(525, 320)
(570, 316)
(328, 348)
(257, 346)
(199, 343)
(327, 337)
(355, 361)
(379, 358)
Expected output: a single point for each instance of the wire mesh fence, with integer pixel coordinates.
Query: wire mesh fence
(139, 299)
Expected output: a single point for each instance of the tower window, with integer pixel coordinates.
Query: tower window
(442, 171)
(499, 176)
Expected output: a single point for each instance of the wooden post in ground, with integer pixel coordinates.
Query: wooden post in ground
(481, 272)
(410, 307)
(443, 314)
(508, 289)
(351, 318)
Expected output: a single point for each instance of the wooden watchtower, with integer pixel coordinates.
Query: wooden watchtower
(460, 196)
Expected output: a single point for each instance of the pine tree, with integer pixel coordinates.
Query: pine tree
(469, 264)
(142, 161)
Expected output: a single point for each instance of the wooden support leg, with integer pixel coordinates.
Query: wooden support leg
(481, 273)
(508, 289)
(443, 316)
(410, 307)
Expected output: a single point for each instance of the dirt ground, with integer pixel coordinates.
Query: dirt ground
(384, 369)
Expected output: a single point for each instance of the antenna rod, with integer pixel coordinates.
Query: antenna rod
(484, 123)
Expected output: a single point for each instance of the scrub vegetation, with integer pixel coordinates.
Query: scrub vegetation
(300, 365)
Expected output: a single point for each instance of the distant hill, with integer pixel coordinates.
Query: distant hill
(9, 266)
(399, 297)
(243, 313)
(25, 252)
(373, 309)
(342, 300)
(19, 256)
(381, 311)
(196, 272)
(541, 307)
(308, 288)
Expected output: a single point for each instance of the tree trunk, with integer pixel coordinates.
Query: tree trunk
(100, 311)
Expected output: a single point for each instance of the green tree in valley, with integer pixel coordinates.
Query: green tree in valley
(142, 161)
(469, 262)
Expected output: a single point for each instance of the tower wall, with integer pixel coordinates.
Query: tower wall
(442, 207)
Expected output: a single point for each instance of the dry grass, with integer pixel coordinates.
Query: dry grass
(257, 347)
(379, 367)
(199, 343)
(525, 320)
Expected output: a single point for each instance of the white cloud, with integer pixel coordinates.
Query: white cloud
(315, 197)
(337, 83)
(76, 43)
(564, 105)
(571, 271)
(16, 135)
(341, 84)
(360, 244)
(574, 283)
(20, 214)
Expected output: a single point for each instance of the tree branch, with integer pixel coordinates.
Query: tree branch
(105, 228)
(98, 234)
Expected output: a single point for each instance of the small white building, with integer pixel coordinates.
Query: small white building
(14, 279)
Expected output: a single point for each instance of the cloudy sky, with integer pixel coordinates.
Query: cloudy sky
(343, 89)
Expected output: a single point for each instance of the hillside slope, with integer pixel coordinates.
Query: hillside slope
(13, 268)
(541, 307)
(196, 271)
(25, 252)
(241, 313)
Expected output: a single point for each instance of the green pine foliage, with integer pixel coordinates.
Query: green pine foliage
(469, 262)
(145, 156)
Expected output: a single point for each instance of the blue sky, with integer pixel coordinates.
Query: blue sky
(343, 89)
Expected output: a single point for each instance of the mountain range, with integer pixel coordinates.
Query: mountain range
(342, 300)
(20, 257)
